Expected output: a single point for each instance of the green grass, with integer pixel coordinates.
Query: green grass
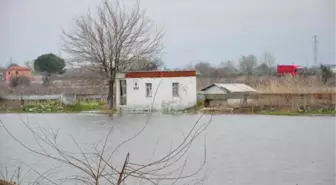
(299, 113)
(83, 107)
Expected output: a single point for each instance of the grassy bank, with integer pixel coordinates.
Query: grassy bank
(300, 113)
(55, 107)
(269, 112)
(3, 182)
(251, 110)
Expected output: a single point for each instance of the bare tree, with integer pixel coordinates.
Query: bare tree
(204, 68)
(326, 73)
(262, 69)
(229, 69)
(96, 167)
(269, 60)
(189, 66)
(113, 39)
(30, 65)
(229, 66)
(247, 64)
(144, 65)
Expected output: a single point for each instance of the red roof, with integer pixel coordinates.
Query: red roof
(18, 68)
(160, 74)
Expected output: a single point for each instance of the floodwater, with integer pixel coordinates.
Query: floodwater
(236, 149)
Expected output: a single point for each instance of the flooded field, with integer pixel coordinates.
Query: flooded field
(240, 149)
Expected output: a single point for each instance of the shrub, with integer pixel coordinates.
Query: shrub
(19, 81)
(326, 73)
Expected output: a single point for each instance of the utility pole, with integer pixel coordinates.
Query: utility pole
(230, 72)
(315, 50)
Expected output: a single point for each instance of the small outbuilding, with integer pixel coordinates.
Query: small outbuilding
(219, 94)
(222, 88)
(148, 90)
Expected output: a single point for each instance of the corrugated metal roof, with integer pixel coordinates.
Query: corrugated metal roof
(236, 87)
(233, 87)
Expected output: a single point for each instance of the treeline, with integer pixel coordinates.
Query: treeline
(229, 68)
(245, 66)
(248, 66)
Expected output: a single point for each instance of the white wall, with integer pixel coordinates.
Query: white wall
(162, 93)
(333, 69)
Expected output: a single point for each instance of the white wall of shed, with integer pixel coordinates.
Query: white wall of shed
(333, 69)
(162, 93)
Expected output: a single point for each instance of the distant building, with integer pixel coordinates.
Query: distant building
(156, 89)
(333, 68)
(2, 74)
(16, 71)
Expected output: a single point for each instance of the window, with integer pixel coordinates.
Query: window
(136, 87)
(17, 73)
(148, 90)
(176, 89)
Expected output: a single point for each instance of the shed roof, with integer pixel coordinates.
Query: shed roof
(232, 87)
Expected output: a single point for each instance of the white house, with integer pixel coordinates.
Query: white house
(333, 68)
(156, 89)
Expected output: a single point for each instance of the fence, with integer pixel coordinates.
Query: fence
(15, 101)
(272, 100)
(38, 89)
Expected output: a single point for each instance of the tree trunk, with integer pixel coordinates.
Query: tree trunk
(110, 97)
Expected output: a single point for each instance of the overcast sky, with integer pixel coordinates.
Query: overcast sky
(207, 30)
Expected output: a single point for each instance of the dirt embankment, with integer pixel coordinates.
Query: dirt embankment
(3, 182)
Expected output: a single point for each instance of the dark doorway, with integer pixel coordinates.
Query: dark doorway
(123, 92)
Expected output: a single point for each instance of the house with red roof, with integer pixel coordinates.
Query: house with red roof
(16, 71)
(156, 90)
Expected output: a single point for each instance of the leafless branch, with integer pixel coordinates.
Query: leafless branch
(112, 40)
(97, 167)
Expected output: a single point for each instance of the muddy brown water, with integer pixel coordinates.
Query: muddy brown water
(240, 149)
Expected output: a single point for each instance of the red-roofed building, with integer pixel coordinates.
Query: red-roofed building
(16, 71)
(156, 90)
